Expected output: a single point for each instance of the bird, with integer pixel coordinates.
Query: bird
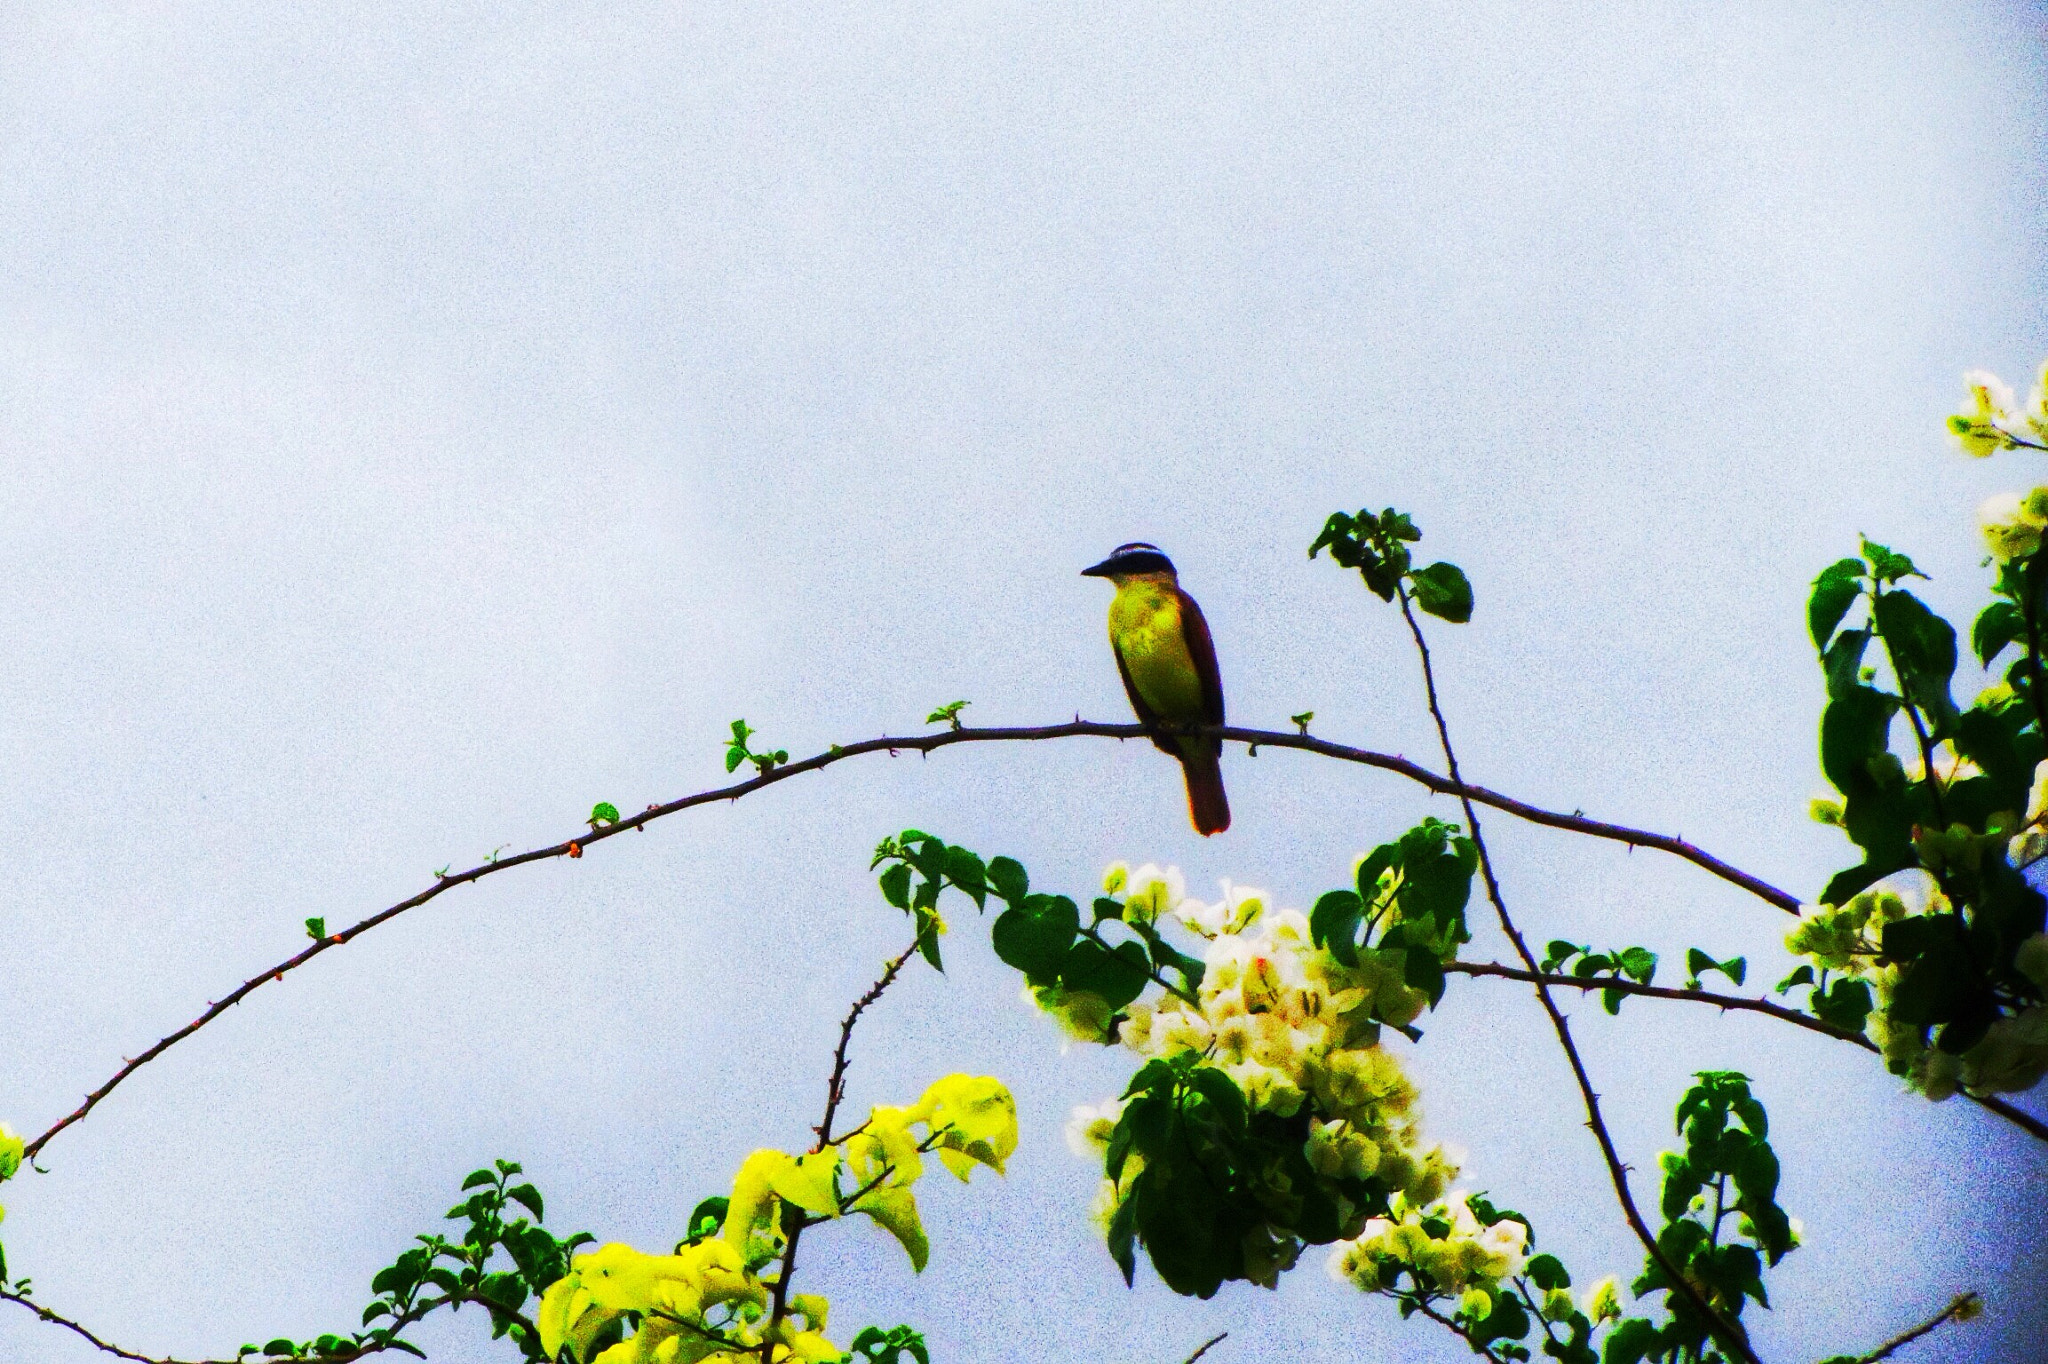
(1168, 662)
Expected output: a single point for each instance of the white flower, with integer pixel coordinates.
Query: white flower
(1089, 1129)
(1115, 877)
(1153, 891)
(2007, 532)
(1983, 426)
(1603, 1300)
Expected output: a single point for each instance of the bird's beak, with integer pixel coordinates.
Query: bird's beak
(1101, 570)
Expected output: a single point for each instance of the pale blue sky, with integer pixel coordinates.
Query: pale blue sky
(417, 425)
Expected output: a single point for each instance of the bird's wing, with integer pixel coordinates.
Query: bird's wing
(1146, 715)
(1202, 650)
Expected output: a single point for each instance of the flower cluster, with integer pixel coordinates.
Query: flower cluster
(1847, 941)
(1446, 1248)
(1289, 1024)
(1989, 423)
(712, 1299)
(1263, 1087)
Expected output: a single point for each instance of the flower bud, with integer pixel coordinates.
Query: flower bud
(1603, 1300)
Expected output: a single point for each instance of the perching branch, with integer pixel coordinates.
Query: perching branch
(1962, 1307)
(1206, 1345)
(926, 743)
(1729, 1333)
(2018, 1117)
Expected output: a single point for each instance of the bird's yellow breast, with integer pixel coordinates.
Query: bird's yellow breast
(1146, 631)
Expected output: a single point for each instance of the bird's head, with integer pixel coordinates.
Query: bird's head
(1135, 560)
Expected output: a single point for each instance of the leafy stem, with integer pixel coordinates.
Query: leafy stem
(1731, 1335)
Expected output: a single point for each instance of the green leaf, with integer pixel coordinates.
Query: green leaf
(1228, 1101)
(1442, 590)
(478, 1179)
(1007, 879)
(529, 1197)
(1888, 567)
(316, 929)
(896, 885)
(1548, 1272)
(1118, 976)
(707, 1217)
(965, 870)
(948, 714)
(1834, 592)
(1855, 727)
(1802, 975)
(1998, 626)
(1420, 970)
(1378, 860)
(1923, 647)
(604, 812)
(1034, 934)
(1333, 924)
(1122, 1235)
(1630, 1342)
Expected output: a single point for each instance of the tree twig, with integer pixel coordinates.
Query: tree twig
(1448, 1323)
(2018, 1117)
(1960, 1308)
(108, 1347)
(835, 1090)
(924, 743)
(1207, 1345)
(1729, 1333)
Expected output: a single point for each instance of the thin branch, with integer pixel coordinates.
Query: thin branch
(926, 743)
(1960, 1308)
(1214, 1340)
(1448, 1323)
(1781, 1012)
(107, 1346)
(835, 1090)
(418, 1311)
(2018, 1117)
(1730, 1334)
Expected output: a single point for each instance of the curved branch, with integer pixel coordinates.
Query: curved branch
(2018, 1117)
(1961, 1307)
(926, 743)
(106, 1346)
(1783, 1013)
(418, 1311)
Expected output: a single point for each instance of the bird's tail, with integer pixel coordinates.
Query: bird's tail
(1206, 802)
